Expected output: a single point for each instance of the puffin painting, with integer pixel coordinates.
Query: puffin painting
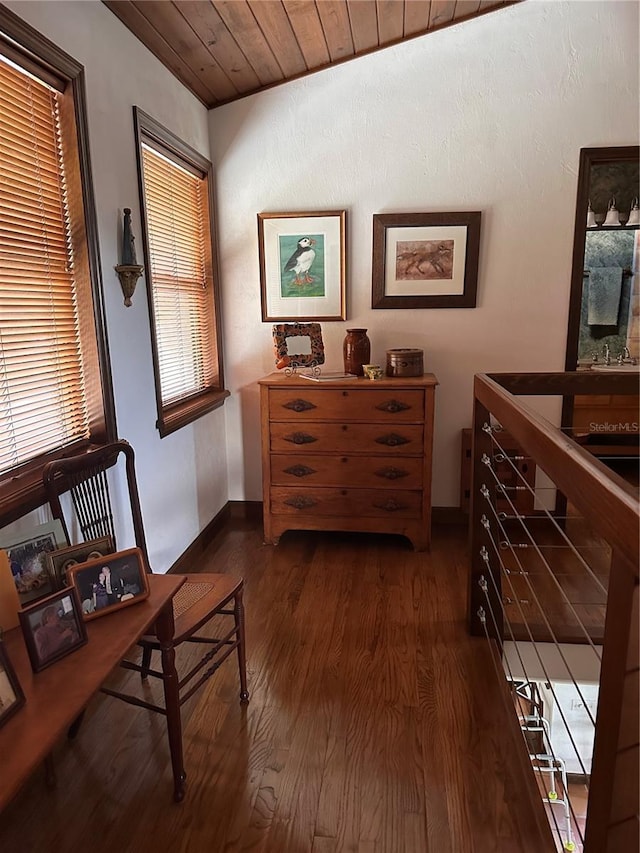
(300, 262)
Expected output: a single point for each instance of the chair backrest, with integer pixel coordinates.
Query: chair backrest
(84, 477)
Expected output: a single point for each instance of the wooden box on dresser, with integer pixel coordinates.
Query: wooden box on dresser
(352, 455)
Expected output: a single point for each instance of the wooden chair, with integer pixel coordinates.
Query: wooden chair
(201, 598)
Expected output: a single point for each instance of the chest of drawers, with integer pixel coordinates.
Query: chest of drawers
(353, 455)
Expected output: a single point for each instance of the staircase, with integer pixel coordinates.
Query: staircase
(549, 770)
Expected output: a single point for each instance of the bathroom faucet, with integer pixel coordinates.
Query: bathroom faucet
(607, 354)
(625, 357)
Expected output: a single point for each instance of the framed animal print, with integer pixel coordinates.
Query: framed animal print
(302, 266)
(425, 260)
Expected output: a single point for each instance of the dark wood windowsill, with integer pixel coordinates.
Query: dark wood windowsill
(175, 417)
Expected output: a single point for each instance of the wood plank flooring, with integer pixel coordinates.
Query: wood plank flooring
(375, 723)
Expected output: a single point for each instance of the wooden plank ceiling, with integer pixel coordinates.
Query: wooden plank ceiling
(223, 50)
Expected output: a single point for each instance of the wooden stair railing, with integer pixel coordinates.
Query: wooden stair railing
(609, 506)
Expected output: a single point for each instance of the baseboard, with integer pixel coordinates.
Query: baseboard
(246, 510)
(201, 542)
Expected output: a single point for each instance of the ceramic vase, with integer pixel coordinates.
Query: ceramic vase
(356, 351)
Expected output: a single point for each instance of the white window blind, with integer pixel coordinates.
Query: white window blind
(42, 388)
(176, 210)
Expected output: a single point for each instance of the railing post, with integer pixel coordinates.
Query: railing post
(612, 818)
(484, 596)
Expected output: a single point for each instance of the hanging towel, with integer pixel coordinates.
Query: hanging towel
(605, 288)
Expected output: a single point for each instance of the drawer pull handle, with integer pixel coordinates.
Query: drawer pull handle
(300, 502)
(299, 405)
(390, 506)
(300, 438)
(299, 470)
(393, 406)
(392, 440)
(391, 473)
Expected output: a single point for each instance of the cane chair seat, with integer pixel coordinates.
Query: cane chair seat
(193, 601)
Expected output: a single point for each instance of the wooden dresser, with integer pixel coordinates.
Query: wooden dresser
(348, 455)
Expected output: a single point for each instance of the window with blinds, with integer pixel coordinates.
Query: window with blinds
(42, 390)
(51, 390)
(175, 184)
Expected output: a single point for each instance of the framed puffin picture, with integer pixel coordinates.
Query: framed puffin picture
(302, 258)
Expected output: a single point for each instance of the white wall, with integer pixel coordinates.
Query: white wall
(182, 478)
(489, 116)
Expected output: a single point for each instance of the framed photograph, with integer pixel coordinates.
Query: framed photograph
(58, 562)
(27, 559)
(53, 628)
(425, 260)
(11, 695)
(110, 582)
(302, 258)
(305, 342)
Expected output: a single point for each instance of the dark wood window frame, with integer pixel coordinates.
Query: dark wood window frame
(21, 488)
(172, 417)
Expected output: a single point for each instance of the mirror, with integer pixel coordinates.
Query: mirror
(309, 347)
(605, 294)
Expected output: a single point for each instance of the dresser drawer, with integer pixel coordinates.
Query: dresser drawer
(348, 503)
(379, 472)
(384, 405)
(400, 440)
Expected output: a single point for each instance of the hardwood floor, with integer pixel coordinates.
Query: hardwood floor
(375, 723)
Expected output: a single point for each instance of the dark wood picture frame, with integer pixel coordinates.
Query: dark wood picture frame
(60, 614)
(433, 264)
(62, 559)
(11, 695)
(128, 583)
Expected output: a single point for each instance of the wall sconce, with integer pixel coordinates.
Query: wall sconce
(129, 271)
(591, 217)
(612, 217)
(634, 213)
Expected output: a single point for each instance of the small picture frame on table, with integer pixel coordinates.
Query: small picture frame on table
(60, 561)
(27, 558)
(53, 628)
(11, 695)
(110, 582)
